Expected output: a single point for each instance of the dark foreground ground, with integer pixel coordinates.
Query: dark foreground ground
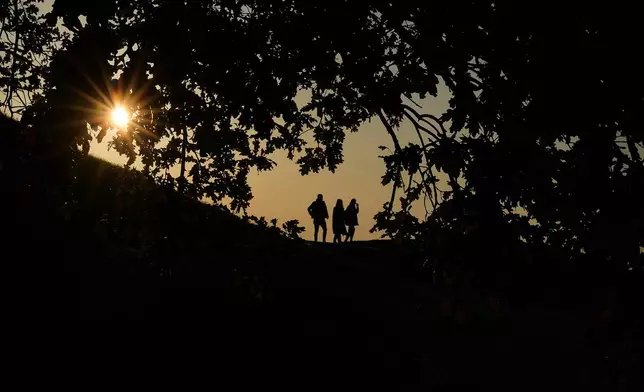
(202, 298)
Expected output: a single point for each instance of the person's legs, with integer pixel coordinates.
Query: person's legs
(352, 231)
(323, 224)
(316, 225)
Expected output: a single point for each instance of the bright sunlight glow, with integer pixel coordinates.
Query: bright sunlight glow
(120, 116)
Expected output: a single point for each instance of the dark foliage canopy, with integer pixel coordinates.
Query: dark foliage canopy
(541, 143)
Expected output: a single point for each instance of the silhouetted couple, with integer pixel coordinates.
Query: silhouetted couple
(341, 219)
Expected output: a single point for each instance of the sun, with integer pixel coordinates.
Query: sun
(120, 117)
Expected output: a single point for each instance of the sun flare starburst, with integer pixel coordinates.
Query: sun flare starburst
(120, 117)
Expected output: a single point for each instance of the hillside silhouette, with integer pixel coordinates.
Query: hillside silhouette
(124, 231)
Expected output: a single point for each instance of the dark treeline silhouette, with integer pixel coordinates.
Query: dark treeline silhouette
(525, 273)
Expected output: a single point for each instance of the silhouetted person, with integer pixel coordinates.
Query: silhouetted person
(351, 218)
(320, 214)
(339, 229)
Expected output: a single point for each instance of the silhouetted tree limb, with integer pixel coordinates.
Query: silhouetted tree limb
(419, 128)
(632, 149)
(397, 150)
(440, 130)
(390, 131)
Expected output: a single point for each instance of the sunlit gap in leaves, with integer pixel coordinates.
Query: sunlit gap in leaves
(122, 111)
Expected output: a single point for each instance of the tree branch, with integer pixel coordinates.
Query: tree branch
(411, 182)
(632, 149)
(420, 127)
(424, 117)
(414, 102)
(422, 173)
(391, 132)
